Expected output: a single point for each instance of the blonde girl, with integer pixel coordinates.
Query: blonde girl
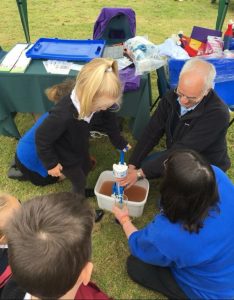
(62, 137)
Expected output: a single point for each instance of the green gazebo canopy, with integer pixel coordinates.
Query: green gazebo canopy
(22, 7)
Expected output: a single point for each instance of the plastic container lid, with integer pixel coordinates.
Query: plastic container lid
(69, 50)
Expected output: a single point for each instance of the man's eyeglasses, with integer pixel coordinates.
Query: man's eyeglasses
(193, 100)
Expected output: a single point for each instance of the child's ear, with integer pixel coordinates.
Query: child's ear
(86, 273)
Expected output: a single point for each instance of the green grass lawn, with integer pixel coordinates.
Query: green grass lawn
(75, 19)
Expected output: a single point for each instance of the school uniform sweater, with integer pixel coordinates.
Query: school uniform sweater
(59, 137)
(85, 292)
(5, 270)
(26, 150)
(203, 263)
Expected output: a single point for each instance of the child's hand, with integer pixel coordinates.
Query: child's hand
(56, 171)
(128, 147)
(120, 214)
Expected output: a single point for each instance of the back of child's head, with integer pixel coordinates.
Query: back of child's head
(56, 92)
(8, 205)
(49, 243)
(98, 78)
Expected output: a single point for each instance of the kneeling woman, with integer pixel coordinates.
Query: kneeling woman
(187, 251)
(58, 144)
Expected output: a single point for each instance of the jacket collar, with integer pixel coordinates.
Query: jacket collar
(198, 110)
(76, 103)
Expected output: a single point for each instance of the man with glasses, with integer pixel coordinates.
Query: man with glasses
(192, 116)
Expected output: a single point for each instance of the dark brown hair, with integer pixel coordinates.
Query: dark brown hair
(58, 91)
(50, 243)
(188, 189)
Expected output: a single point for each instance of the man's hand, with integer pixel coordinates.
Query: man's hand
(56, 171)
(128, 180)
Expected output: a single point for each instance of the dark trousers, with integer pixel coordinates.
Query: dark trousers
(76, 174)
(34, 177)
(156, 278)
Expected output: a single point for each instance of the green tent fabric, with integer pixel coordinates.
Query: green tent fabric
(22, 7)
(222, 11)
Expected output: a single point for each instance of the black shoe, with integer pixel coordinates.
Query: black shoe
(15, 173)
(99, 213)
(89, 192)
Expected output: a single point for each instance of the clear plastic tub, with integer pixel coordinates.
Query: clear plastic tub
(107, 202)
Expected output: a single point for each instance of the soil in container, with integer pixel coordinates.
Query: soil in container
(134, 193)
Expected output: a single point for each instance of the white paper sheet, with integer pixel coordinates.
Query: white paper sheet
(22, 63)
(13, 56)
(57, 66)
(123, 63)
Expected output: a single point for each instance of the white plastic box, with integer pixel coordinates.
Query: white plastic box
(106, 202)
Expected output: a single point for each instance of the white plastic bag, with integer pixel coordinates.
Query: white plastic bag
(171, 49)
(144, 54)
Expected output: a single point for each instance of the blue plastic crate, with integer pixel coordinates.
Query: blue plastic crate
(224, 81)
(68, 50)
(232, 45)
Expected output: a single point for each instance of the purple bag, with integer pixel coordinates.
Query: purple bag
(129, 81)
(124, 30)
(105, 17)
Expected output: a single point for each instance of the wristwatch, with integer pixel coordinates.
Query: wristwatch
(139, 174)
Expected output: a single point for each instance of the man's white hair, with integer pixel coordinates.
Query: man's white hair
(203, 67)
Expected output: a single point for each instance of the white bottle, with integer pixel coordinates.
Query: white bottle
(120, 170)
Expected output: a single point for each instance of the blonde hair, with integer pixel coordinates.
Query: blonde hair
(97, 78)
(5, 210)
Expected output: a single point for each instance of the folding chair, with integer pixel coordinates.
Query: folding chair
(115, 25)
(163, 85)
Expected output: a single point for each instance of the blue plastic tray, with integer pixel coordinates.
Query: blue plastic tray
(70, 50)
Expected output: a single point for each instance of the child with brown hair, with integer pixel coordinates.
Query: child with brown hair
(50, 249)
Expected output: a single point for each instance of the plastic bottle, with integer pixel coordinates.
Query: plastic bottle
(120, 170)
(228, 37)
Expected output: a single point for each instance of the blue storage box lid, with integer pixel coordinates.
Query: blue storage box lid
(69, 50)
